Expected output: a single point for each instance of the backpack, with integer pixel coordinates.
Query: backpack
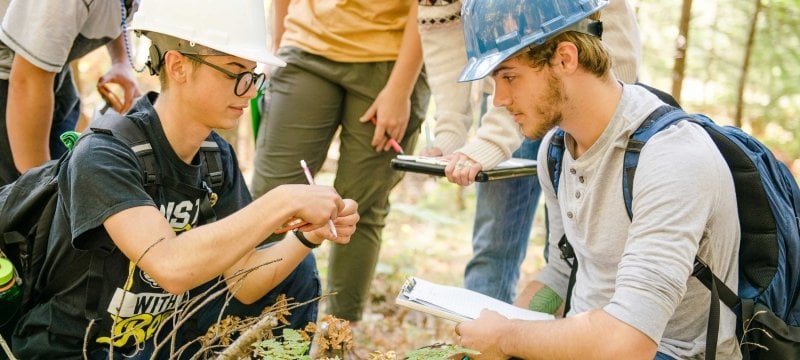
(768, 200)
(28, 205)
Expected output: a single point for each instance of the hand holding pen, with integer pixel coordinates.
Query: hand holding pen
(397, 148)
(310, 179)
(391, 113)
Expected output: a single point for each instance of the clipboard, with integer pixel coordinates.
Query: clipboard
(511, 168)
(456, 303)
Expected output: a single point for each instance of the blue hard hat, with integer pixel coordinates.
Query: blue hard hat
(494, 30)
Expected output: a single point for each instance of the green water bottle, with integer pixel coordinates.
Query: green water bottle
(10, 293)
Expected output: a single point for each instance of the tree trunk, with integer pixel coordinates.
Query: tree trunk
(681, 44)
(748, 50)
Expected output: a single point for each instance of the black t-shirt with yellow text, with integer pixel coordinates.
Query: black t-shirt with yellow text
(85, 277)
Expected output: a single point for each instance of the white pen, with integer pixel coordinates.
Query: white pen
(310, 179)
(428, 139)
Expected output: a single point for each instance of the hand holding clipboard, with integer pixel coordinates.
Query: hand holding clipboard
(510, 168)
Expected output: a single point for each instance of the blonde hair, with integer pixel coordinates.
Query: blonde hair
(593, 55)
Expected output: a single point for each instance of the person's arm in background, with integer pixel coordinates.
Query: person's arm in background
(494, 141)
(29, 113)
(121, 72)
(496, 138)
(31, 103)
(279, 10)
(444, 54)
(392, 106)
(621, 36)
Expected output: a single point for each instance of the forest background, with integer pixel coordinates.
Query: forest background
(737, 61)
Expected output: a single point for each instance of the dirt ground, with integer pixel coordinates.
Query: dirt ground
(428, 235)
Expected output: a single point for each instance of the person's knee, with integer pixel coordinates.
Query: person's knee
(304, 288)
(305, 283)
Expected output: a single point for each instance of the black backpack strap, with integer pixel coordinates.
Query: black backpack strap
(95, 280)
(568, 255)
(129, 132)
(712, 326)
(212, 163)
(212, 170)
(210, 158)
(719, 291)
(703, 273)
(213, 175)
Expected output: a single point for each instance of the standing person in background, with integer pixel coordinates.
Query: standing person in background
(38, 100)
(505, 208)
(347, 63)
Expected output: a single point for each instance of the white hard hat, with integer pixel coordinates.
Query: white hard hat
(234, 27)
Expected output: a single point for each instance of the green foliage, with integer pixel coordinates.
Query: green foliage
(292, 347)
(715, 57)
(440, 352)
(776, 68)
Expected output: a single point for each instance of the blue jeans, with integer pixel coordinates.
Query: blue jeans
(503, 217)
(66, 111)
(662, 356)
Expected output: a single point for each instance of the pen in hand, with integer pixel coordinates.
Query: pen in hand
(310, 179)
(392, 142)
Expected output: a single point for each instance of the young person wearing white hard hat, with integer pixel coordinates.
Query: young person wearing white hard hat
(156, 244)
(632, 294)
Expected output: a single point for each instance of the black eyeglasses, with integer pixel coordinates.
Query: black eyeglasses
(244, 80)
